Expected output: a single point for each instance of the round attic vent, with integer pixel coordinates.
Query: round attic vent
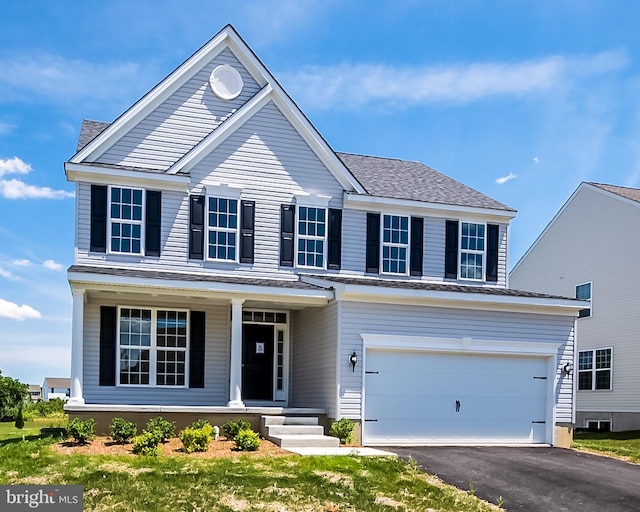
(226, 83)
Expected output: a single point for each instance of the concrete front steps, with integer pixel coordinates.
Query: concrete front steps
(296, 432)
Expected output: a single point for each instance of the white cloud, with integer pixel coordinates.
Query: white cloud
(52, 265)
(8, 275)
(6, 128)
(15, 312)
(506, 178)
(16, 189)
(536, 160)
(354, 85)
(22, 263)
(14, 166)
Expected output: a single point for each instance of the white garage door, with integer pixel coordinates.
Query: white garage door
(425, 397)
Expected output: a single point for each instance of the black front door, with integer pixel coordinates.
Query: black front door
(257, 362)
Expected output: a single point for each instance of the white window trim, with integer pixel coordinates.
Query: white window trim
(142, 222)
(599, 420)
(468, 251)
(593, 370)
(324, 238)
(226, 230)
(590, 283)
(153, 349)
(407, 246)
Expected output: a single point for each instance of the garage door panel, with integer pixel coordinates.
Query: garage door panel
(411, 396)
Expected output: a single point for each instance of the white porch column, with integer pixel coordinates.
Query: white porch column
(235, 374)
(77, 335)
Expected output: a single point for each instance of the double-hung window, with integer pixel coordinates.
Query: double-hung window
(153, 346)
(222, 228)
(125, 217)
(395, 244)
(312, 232)
(472, 251)
(594, 369)
(583, 292)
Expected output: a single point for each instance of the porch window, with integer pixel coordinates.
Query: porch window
(222, 229)
(125, 218)
(594, 369)
(153, 346)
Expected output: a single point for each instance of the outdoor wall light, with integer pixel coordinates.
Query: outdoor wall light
(567, 368)
(353, 359)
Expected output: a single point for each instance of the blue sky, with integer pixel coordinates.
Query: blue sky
(521, 100)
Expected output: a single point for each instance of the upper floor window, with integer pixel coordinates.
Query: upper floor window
(126, 220)
(594, 369)
(472, 251)
(312, 232)
(222, 228)
(583, 292)
(395, 244)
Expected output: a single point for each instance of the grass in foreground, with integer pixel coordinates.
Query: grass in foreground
(623, 445)
(31, 427)
(329, 484)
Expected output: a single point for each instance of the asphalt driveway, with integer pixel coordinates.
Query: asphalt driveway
(535, 479)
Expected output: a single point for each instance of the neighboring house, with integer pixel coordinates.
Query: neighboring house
(228, 262)
(588, 251)
(55, 387)
(35, 392)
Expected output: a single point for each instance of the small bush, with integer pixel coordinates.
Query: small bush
(19, 420)
(199, 424)
(122, 430)
(82, 430)
(247, 440)
(233, 427)
(162, 428)
(146, 444)
(342, 429)
(196, 439)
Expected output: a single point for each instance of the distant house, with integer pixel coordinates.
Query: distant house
(55, 387)
(588, 251)
(35, 392)
(228, 262)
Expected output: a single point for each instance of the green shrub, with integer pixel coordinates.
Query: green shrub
(146, 444)
(161, 428)
(53, 407)
(19, 420)
(247, 440)
(342, 429)
(82, 430)
(122, 430)
(233, 427)
(197, 439)
(200, 423)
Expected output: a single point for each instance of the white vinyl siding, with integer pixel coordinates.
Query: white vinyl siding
(182, 121)
(580, 246)
(216, 388)
(313, 364)
(402, 320)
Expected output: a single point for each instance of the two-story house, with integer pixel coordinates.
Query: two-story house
(228, 262)
(587, 251)
(55, 387)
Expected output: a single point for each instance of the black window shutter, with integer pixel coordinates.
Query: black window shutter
(335, 239)
(196, 227)
(196, 349)
(451, 250)
(417, 245)
(492, 252)
(373, 243)
(247, 227)
(98, 242)
(153, 220)
(287, 226)
(108, 345)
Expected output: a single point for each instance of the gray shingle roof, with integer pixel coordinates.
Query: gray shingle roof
(89, 131)
(403, 179)
(440, 287)
(198, 278)
(627, 192)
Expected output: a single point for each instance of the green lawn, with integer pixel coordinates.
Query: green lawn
(31, 428)
(624, 445)
(293, 483)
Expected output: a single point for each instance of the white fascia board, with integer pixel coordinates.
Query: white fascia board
(230, 290)
(220, 134)
(165, 89)
(466, 345)
(382, 204)
(110, 176)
